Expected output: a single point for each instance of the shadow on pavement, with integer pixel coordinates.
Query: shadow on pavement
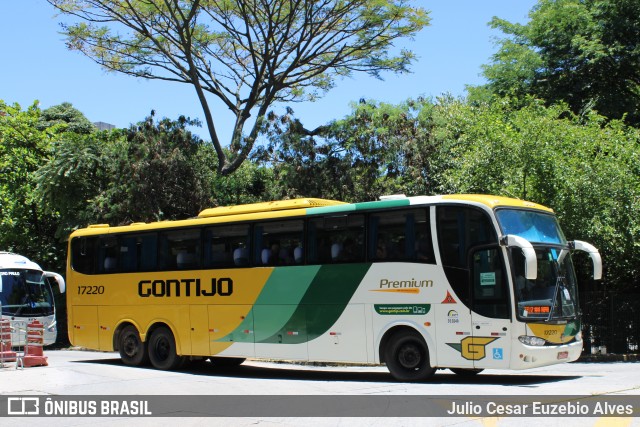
(282, 372)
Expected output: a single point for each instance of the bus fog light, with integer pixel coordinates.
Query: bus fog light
(529, 340)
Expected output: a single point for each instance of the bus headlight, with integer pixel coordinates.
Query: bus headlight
(529, 340)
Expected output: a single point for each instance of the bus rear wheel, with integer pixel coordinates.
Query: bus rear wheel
(162, 350)
(407, 357)
(133, 351)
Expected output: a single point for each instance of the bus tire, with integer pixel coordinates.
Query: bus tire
(133, 351)
(162, 350)
(407, 357)
(226, 362)
(466, 372)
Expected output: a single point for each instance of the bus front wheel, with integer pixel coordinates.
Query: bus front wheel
(407, 357)
(162, 350)
(133, 351)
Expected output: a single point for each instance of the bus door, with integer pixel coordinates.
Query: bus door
(491, 325)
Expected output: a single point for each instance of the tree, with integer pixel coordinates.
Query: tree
(248, 54)
(377, 149)
(584, 167)
(585, 53)
(66, 119)
(24, 225)
(152, 171)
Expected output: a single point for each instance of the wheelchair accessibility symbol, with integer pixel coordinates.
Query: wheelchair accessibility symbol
(497, 354)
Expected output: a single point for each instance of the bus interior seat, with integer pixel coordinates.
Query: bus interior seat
(240, 257)
(265, 255)
(297, 254)
(336, 251)
(110, 263)
(185, 260)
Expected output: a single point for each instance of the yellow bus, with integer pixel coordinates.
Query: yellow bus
(464, 282)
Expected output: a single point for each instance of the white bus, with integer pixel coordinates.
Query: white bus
(464, 282)
(26, 295)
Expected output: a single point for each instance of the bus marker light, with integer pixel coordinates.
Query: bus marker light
(427, 323)
(563, 355)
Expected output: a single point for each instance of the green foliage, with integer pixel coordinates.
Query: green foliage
(77, 172)
(247, 55)
(155, 170)
(585, 53)
(586, 168)
(159, 172)
(24, 226)
(64, 118)
(377, 149)
(150, 172)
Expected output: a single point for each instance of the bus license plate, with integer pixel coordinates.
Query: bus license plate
(563, 355)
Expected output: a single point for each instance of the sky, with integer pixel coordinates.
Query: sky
(36, 65)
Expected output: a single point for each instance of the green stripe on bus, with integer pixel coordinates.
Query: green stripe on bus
(331, 209)
(322, 304)
(380, 204)
(280, 297)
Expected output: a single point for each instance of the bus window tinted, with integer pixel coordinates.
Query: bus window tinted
(401, 236)
(336, 239)
(278, 243)
(180, 249)
(83, 254)
(226, 246)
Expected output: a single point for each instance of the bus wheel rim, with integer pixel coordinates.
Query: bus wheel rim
(131, 345)
(410, 356)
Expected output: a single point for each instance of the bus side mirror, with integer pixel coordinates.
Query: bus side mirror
(593, 253)
(530, 259)
(58, 278)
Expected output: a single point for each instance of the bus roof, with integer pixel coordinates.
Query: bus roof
(278, 205)
(496, 201)
(308, 206)
(10, 260)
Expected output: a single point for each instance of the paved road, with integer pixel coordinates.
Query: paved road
(82, 373)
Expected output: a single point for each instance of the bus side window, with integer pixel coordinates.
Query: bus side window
(401, 236)
(180, 249)
(226, 246)
(83, 254)
(108, 252)
(276, 242)
(336, 239)
(490, 294)
(460, 229)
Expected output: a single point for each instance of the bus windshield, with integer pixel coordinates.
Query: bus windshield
(553, 295)
(536, 227)
(25, 293)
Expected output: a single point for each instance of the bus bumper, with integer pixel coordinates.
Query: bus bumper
(526, 356)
